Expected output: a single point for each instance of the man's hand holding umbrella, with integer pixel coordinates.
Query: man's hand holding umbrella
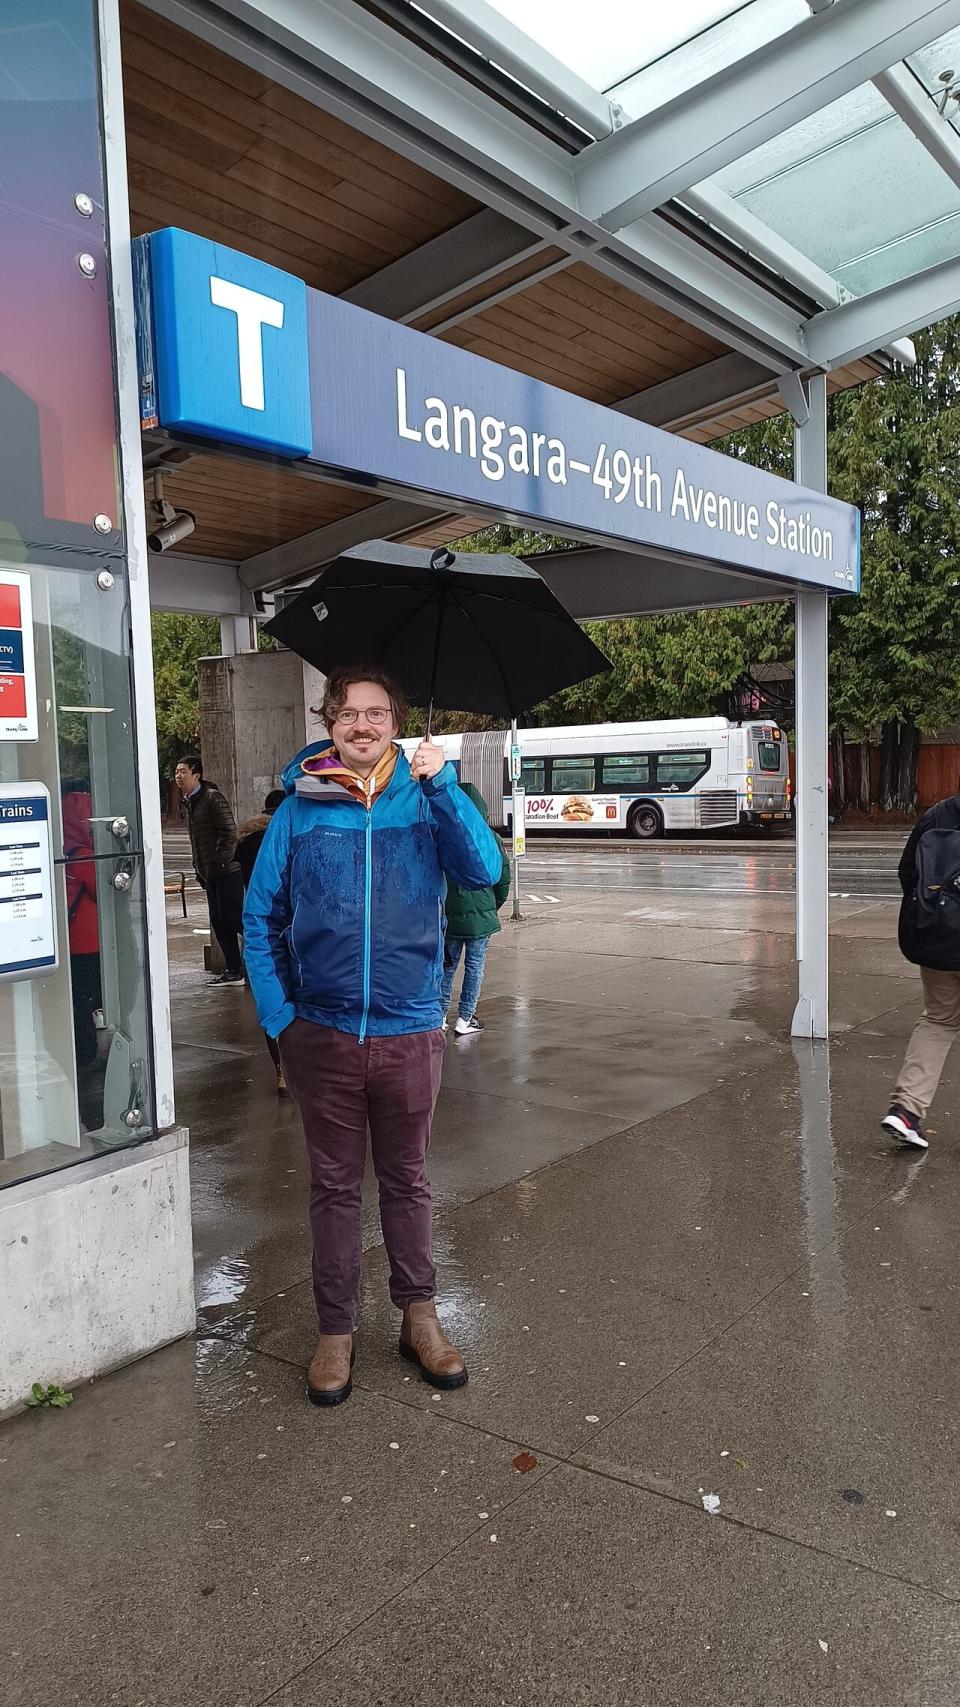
(427, 761)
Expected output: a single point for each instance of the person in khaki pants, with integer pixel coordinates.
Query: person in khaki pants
(934, 1032)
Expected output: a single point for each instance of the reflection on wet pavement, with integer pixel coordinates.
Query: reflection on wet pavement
(680, 1258)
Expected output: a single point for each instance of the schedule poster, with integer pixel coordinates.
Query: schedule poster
(28, 926)
(18, 678)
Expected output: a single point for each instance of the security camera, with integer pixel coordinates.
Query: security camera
(176, 525)
(170, 525)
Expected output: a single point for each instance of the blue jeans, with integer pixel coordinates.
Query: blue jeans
(474, 958)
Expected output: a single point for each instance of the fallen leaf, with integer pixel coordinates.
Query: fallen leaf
(524, 1461)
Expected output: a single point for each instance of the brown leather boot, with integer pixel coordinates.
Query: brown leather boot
(423, 1342)
(329, 1380)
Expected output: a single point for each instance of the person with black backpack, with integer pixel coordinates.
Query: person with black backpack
(929, 935)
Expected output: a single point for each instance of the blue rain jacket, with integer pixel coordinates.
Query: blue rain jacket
(343, 921)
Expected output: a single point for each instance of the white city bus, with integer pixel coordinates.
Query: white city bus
(646, 778)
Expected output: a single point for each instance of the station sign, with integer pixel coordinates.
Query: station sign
(28, 925)
(233, 349)
(519, 824)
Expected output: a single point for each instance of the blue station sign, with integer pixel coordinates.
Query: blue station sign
(237, 351)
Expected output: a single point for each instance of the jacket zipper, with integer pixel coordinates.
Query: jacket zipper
(367, 897)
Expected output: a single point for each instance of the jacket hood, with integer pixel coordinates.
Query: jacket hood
(253, 825)
(474, 795)
(293, 772)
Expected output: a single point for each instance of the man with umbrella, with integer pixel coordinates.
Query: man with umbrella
(343, 930)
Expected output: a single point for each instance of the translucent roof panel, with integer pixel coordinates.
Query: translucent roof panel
(608, 41)
(853, 189)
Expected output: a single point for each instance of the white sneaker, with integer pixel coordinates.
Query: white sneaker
(465, 1027)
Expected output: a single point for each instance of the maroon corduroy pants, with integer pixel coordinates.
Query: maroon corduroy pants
(341, 1085)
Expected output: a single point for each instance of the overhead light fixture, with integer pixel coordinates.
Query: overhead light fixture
(170, 525)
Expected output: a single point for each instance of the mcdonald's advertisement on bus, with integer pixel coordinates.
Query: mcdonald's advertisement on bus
(601, 811)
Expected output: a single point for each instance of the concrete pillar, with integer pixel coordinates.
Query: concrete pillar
(255, 714)
(810, 1017)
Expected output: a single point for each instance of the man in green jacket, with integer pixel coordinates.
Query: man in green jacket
(471, 922)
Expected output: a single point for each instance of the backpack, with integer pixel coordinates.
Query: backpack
(929, 931)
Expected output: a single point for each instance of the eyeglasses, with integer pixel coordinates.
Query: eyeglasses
(375, 714)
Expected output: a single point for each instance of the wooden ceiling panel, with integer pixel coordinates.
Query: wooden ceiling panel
(220, 150)
(244, 507)
(586, 334)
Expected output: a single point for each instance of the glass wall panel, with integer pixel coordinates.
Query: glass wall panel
(74, 1045)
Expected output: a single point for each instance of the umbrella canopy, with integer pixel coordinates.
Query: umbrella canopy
(465, 633)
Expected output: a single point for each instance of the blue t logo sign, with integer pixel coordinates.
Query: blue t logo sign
(231, 345)
(253, 311)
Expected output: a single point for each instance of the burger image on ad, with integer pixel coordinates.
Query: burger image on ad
(576, 810)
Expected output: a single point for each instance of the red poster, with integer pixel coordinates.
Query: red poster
(10, 607)
(13, 694)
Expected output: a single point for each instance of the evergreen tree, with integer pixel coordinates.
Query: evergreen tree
(895, 659)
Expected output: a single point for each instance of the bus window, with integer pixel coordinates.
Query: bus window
(533, 776)
(769, 755)
(681, 770)
(573, 776)
(626, 770)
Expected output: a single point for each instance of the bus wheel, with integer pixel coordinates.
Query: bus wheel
(645, 822)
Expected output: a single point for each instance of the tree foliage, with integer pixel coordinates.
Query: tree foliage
(895, 660)
(178, 643)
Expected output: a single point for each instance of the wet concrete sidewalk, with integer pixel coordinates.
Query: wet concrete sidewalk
(681, 1260)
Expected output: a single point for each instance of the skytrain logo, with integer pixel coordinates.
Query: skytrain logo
(230, 345)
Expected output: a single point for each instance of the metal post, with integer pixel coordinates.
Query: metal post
(810, 1015)
(519, 805)
(131, 470)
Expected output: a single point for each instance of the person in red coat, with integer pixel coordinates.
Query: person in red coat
(81, 875)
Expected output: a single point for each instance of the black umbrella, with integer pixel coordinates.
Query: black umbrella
(466, 633)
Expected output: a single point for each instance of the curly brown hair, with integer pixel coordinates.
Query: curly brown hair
(346, 676)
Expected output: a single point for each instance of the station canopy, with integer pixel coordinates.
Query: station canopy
(682, 212)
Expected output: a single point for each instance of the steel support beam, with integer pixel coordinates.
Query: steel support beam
(755, 321)
(841, 335)
(521, 57)
(724, 212)
(919, 111)
(284, 564)
(197, 586)
(810, 1017)
(470, 254)
(603, 583)
(710, 125)
(690, 399)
